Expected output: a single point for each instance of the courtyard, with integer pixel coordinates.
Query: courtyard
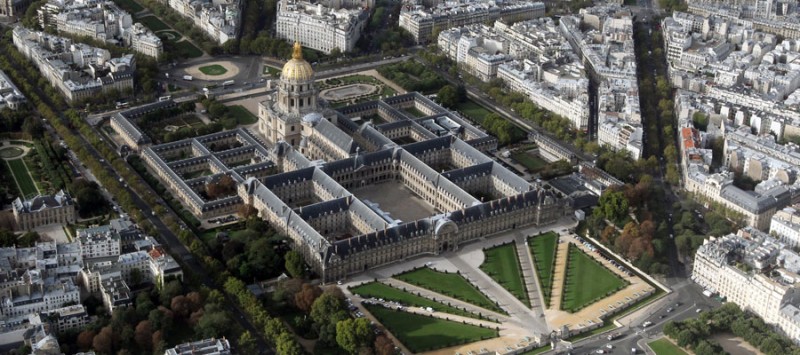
(396, 199)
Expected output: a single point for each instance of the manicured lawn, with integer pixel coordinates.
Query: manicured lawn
(187, 49)
(379, 290)
(170, 35)
(214, 69)
(473, 111)
(543, 248)
(420, 333)
(25, 183)
(502, 265)
(242, 115)
(665, 347)
(130, 5)
(271, 71)
(587, 281)
(452, 285)
(153, 23)
(529, 161)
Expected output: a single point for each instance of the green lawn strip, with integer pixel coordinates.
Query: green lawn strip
(543, 249)
(214, 69)
(587, 281)
(473, 111)
(271, 71)
(153, 23)
(379, 290)
(538, 350)
(187, 49)
(425, 333)
(665, 347)
(502, 265)
(24, 181)
(529, 161)
(452, 285)
(242, 115)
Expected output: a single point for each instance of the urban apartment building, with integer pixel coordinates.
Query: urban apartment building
(785, 226)
(103, 21)
(42, 210)
(210, 346)
(779, 17)
(76, 70)
(10, 96)
(421, 21)
(756, 272)
(220, 20)
(13, 8)
(530, 57)
(35, 292)
(603, 37)
(322, 25)
(360, 187)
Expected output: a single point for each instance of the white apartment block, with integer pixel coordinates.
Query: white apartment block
(530, 57)
(116, 294)
(76, 70)
(210, 346)
(98, 242)
(421, 21)
(785, 226)
(736, 267)
(321, 26)
(220, 20)
(101, 20)
(33, 293)
(10, 96)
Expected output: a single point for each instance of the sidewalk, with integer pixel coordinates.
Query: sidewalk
(562, 250)
(529, 274)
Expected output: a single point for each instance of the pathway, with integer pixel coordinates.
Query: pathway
(559, 276)
(529, 275)
(507, 301)
(438, 297)
(374, 73)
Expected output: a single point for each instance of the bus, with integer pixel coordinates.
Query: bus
(122, 105)
(164, 98)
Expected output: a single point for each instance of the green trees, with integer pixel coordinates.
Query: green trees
(614, 205)
(448, 96)
(90, 199)
(295, 264)
(354, 334)
(286, 345)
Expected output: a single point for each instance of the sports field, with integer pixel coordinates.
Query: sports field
(452, 285)
(25, 183)
(420, 333)
(587, 281)
(502, 265)
(543, 248)
(379, 290)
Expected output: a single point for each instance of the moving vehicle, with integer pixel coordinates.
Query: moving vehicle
(229, 82)
(188, 78)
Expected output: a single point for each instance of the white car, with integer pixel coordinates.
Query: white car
(647, 324)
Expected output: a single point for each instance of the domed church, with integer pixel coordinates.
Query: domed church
(280, 116)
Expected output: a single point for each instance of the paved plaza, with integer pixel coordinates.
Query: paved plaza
(396, 199)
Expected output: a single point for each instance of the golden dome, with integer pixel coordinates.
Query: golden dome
(297, 68)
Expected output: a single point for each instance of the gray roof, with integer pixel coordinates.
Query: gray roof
(777, 197)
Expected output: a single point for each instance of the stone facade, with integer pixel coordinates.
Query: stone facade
(43, 210)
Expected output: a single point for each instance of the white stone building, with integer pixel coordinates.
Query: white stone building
(10, 96)
(43, 210)
(785, 226)
(323, 25)
(220, 20)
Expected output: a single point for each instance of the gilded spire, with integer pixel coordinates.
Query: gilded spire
(298, 51)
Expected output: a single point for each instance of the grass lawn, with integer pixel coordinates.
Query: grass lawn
(473, 111)
(187, 49)
(214, 69)
(665, 347)
(379, 290)
(171, 36)
(153, 23)
(130, 5)
(452, 285)
(242, 115)
(531, 162)
(543, 248)
(420, 333)
(25, 183)
(271, 71)
(587, 281)
(502, 265)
